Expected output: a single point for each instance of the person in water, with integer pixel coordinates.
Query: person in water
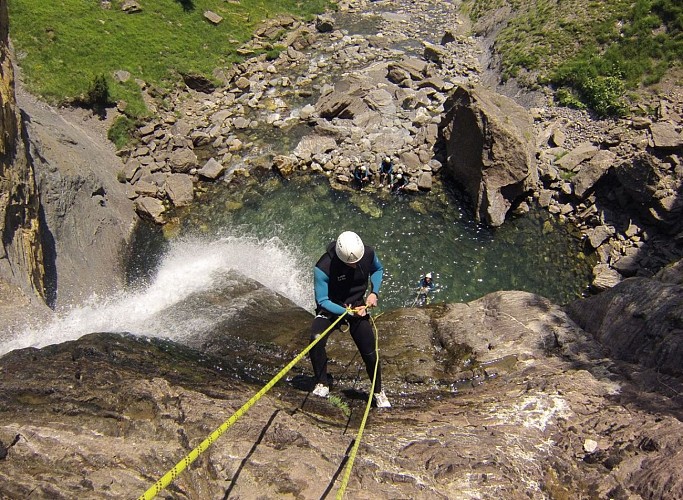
(425, 288)
(341, 278)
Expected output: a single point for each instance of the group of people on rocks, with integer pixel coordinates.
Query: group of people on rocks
(395, 181)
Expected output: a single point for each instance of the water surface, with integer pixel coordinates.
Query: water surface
(412, 234)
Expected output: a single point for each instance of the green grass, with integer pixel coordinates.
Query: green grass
(595, 49)
(63, 45)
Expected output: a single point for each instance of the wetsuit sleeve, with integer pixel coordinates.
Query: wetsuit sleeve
(376, 274)
(321, 282)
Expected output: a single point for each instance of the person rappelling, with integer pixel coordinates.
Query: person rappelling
(341, 278)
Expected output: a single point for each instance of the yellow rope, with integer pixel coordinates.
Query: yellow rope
(170, 476)
(356, 444)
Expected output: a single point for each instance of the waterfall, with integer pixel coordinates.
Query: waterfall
(190, 266)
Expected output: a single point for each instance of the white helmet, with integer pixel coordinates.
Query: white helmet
(428, 275)
(349, 248)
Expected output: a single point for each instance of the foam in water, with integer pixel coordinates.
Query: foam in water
(189, 267)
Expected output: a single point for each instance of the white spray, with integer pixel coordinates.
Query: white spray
(189, 267)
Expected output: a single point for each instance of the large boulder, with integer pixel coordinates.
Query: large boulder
(594, 169)
(654, 193)
(490, 149)
(640, 320)
(345, 102)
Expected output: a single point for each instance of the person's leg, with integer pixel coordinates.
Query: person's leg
(364, 337)
(318, 354)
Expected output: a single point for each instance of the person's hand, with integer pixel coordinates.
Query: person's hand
(371, 300)
(356, 311)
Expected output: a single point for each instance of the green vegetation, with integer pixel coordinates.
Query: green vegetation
(338, 402)
(98, 93)
(121, 130)
(592, 50)
(68, 50)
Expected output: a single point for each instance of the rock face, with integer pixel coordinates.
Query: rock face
(490, 150)
(504, 397)
(87, 215)
(640, 319)
(21, 253)
(64, 218)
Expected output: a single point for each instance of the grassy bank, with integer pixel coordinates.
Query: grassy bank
(592, 51)
(66, 47)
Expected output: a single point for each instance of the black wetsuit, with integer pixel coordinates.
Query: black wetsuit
(336, 286)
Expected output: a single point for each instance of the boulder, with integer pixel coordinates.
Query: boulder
(180, 189)
(665, 136)
(183, 160)
(598, 235)
(284, 164)
(434, 53)
(324, 23)
(651, 193)
(640, 177)
(604, 278)
(150, 209)
(212, 169)
(145, 188)
(639, 320)
(592, 172)
(312, 145)
(345, 103)
(130, 6)
(414, 69)
(576, 156)
(130, 169)
(424, 181)
(410, 160)
(212, 17)
(490, 145)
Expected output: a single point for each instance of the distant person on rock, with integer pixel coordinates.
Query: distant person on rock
(386, 171)
(341, 278)
(362, 176)
(399, 184)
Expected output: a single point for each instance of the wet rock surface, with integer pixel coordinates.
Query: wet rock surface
(501, 397)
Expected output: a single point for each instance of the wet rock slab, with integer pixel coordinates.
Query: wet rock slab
(504, 397)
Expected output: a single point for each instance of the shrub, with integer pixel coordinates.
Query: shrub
(341, 404)
(565, 97)
(98, 93)
(121, 131)
(605, 95)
